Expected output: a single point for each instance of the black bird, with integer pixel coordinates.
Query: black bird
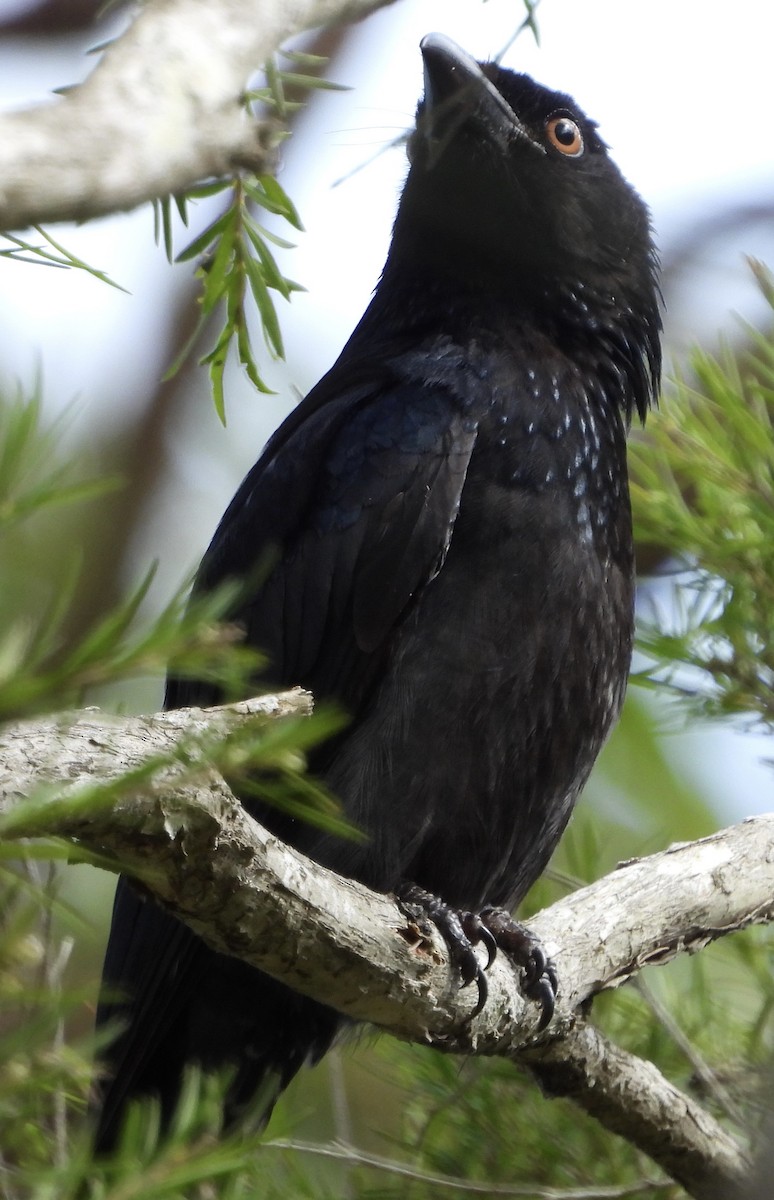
(448, 512)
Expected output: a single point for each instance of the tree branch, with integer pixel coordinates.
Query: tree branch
(630, 1097)
(161, 111)
(178, 828)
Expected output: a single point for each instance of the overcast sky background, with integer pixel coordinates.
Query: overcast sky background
(680, 88)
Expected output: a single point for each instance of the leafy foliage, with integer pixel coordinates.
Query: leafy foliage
(703, 487)
(41, 1076)
(281, 93)
(235, 260)
(38, 671)
(51, 254)
(32, 475)
(46, 1040)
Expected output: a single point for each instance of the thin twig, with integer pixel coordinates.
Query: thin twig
(349, 1154)
(701, 1068)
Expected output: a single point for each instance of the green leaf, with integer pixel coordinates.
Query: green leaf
(215, 273)
(271, 272)
(162, 225)
(269, 236)
(274, 80)
(306, 60)
(23, 251)
(247, 358)
(184, 354)
(216, 360)
(265, 190)
(312, 81)
(265, 307)
(204, 190)
(205, 238)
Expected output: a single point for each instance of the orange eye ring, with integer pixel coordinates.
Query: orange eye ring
(565, 135)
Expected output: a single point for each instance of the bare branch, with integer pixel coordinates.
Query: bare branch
(183, 833)
(649, 910)
(71, 750)
(161, 111)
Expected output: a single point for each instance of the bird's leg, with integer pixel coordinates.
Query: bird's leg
(494, 928)
(539, 982)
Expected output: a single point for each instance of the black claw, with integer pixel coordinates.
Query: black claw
(483, 993)
(536, 966)
(540, 982)
(544, 994)
(461, 931)
(493, 928)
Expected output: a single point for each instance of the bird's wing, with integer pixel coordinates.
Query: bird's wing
(348, 515)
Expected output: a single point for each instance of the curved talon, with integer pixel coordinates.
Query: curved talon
(544, 994)
(483, 993)
(466, 961)
(490, 944)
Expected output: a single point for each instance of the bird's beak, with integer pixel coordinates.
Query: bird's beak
(457, 94)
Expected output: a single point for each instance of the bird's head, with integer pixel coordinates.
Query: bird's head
(511, 183)
(518, 171)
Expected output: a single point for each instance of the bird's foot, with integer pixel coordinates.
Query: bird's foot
(495, 929)
(539, 981)
(460, 930)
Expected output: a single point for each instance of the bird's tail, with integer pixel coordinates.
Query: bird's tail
(176, 1002)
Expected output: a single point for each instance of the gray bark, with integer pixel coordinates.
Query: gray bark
(161, 111)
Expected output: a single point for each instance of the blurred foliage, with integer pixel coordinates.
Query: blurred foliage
(235, 262)
(703, 485)
(46, 1007)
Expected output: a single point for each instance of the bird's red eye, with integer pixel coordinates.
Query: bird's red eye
(564, 134)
